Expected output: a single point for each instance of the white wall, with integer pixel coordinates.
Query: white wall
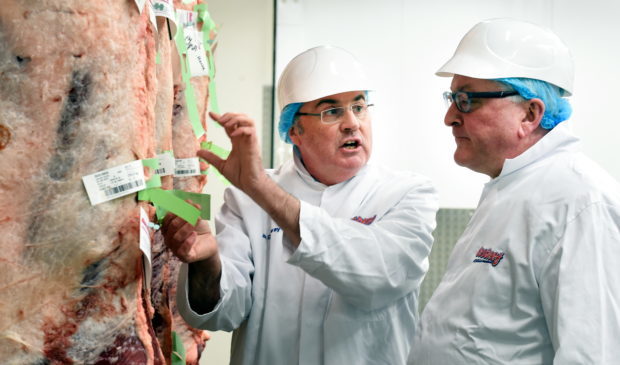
(403, 42)
(244, 65)
(592, 31)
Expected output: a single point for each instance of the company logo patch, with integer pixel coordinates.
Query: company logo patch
(268, 235)
(366, 221)
(488, 256)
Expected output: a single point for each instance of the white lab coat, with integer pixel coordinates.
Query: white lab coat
(554, 295)
(347, 295)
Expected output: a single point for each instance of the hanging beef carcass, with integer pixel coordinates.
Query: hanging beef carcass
(78, 94)
(183, 141)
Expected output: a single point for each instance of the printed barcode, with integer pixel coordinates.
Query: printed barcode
(118, 189)
(160, 171)
(185, 172)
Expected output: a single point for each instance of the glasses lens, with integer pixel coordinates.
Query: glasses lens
(462, 101)
(332, 115)
(447, 98)
(359, 110)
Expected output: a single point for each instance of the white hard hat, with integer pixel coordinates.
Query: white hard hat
(499, 48)
(319, 72)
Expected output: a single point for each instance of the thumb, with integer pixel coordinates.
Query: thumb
(213, 159)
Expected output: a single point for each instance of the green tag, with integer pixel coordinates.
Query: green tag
(204, 200)
(190, 98)
(178, 351)
(166, 201)
(221, 153)
(153, 164)
(213, 95)
(207, 26)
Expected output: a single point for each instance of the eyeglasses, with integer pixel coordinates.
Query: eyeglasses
(463, 99)
(334, 115)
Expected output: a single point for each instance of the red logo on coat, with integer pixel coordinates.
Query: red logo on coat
(488, 256)
(366, 221)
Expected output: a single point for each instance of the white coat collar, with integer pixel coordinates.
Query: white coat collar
(558, 138)
(312, 182)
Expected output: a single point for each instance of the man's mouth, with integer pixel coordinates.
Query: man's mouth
(350, 145)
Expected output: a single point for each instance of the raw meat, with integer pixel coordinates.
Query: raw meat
(80, 92)
(184, 144)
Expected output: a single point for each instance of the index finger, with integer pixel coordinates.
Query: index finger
(215, 116)
(168, 218)
(195, 205)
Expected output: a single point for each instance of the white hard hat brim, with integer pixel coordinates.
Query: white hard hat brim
(320, 72)
(506, 48)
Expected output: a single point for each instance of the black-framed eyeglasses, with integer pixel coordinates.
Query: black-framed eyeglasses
(334, 115)
(463, 99)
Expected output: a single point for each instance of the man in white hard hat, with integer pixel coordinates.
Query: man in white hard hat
(319, 261)
(534, 277)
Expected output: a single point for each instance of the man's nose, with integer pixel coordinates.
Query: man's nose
(452, 117)
(349, 120)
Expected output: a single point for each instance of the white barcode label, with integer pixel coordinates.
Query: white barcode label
(186, 167)
(152, 14)
(196, 55)
(140, 5)
(187, 18)
(145, 246)
(114, 182)
(165, 8)
(166, 164)
(115, 191)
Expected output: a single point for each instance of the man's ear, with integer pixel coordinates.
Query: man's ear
(294, 132)
(535, 109)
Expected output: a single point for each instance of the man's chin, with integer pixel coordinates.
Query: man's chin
(353, 165)
(461, 157)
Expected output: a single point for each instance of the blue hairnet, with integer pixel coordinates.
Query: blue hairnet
(557, 108)
(287, 118)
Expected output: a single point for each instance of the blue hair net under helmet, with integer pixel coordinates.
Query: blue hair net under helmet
(557, 108)
(287, 119)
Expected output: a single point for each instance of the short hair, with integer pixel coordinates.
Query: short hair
(557, 108)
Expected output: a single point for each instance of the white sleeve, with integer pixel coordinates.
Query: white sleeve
(370, 265)
(235, 284)
(580, 289)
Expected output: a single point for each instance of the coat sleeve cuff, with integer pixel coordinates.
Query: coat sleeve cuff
(310, 230)
(189, 315)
